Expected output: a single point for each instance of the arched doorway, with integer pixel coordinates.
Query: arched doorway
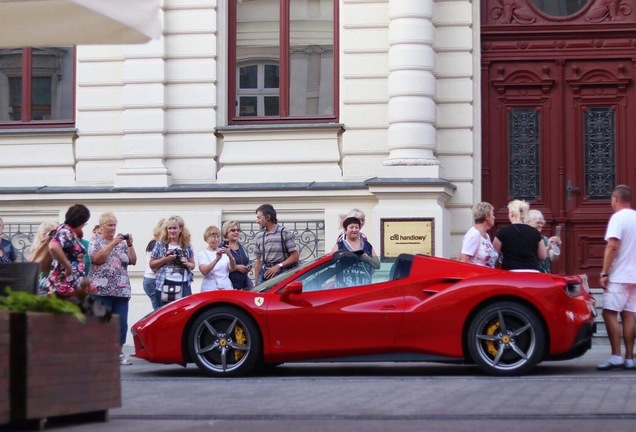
(559, 103)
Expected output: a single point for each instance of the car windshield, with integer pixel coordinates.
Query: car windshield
(270, 283)
(345, 269)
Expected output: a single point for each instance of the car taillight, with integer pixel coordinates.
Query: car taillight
(586, 285)
(575, 288)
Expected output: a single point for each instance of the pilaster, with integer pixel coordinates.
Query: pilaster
(143, 118)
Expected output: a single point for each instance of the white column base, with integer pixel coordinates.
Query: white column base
(418, 198)
(409, 171)
(142, 176)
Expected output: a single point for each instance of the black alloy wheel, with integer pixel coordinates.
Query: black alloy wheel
(225, 342)
(506, 338)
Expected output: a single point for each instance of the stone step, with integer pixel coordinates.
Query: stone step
(600, 337)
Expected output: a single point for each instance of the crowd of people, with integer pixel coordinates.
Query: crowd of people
(101, 261)
(519, 246)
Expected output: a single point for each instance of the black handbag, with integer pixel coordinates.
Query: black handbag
(171, 291)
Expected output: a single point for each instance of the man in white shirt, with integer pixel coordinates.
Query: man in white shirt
(618, 279)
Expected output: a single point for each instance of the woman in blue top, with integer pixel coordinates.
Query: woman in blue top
(361, 271)
(172, 257)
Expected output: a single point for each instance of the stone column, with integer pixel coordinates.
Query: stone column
(408, 185)
(411, 108)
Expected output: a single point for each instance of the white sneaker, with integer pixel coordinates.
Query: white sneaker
(123, 360)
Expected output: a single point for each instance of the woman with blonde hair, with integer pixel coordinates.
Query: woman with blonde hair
(535, 219)
(40, 237)
(476, 245)
(172, 258)
(150, 277)
(215, 262)
(44, 230)
(521, 245)
(111, 253)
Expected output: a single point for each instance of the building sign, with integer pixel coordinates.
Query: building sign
(414, 236)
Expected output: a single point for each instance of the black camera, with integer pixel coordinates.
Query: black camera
(125, 236)
(178, 253)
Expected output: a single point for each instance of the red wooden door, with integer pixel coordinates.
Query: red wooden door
(556, 114)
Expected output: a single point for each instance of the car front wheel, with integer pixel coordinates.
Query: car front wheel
(506, 338)
(224, 342)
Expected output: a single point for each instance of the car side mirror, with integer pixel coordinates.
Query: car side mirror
(295, 287)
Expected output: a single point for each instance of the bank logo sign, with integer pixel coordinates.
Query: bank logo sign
(414, 236)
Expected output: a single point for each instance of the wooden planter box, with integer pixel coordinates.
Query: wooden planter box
(60, 366)
(5, 410)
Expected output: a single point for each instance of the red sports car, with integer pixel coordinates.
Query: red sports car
(340, 308)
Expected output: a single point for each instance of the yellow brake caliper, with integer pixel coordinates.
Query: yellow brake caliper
(239, 337)
(490, 345)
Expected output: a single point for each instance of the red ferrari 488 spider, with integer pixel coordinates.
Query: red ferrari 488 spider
(340, 308)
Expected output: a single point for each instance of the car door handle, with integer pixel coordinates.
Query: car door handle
(388, 307)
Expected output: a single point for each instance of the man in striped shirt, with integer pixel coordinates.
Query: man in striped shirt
(275, 249)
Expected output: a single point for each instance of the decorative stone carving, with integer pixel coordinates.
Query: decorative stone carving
(512, 11)
(608, 10)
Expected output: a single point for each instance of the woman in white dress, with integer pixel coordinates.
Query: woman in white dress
(215, 262)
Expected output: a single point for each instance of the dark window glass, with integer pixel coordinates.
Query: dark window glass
(523, 149)
(560, 7)
(41, 98)
(37, 85)
(271, 76)
(271, 105)
(15, 99)
(248, 106)
(600, 150)
(248, 77)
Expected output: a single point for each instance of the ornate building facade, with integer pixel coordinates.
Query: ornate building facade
(319, 106)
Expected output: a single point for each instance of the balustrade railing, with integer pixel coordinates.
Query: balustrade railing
(309, 236)
(21, 236)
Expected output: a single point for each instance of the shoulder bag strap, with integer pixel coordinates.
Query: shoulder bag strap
(282, 240)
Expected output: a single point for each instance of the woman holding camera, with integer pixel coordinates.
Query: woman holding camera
(240, 277)
(215, 262)
(172, 259)
(111, 254)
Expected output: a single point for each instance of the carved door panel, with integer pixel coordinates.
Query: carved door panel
(600, 99)
(557, 102)
(523, 145)
(561, 130)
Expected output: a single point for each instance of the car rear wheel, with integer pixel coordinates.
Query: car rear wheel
(506, 338)
(224, 342)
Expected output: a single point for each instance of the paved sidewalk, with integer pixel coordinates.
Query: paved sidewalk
(557, 396)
